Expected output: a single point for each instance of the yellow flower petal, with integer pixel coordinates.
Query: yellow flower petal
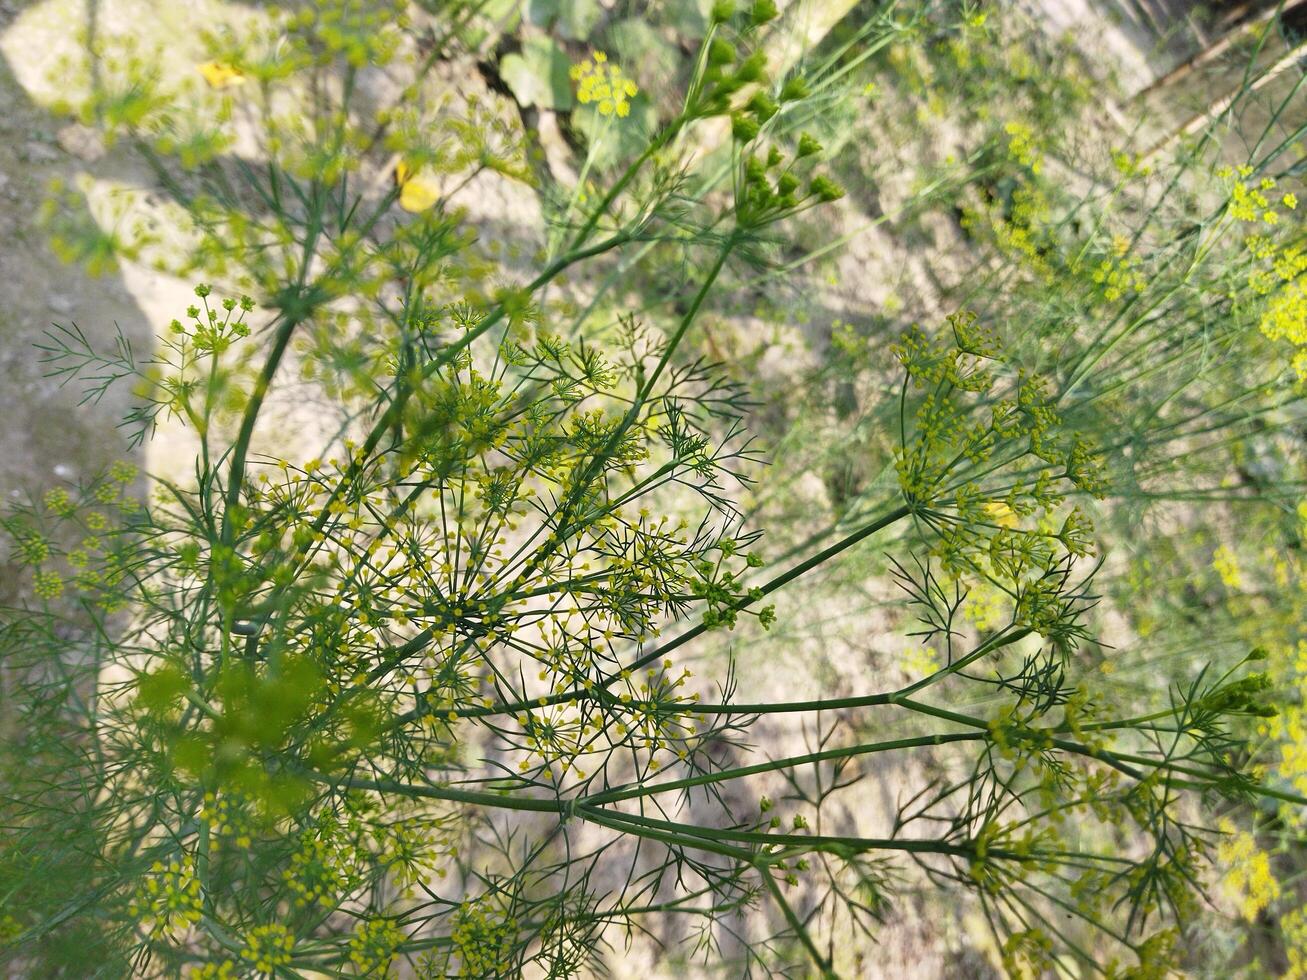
(418, 194)
(220, 74)
(1000, 513)
(402, 172)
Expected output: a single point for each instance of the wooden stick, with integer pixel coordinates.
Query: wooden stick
(1214, 50)
(1223, 103)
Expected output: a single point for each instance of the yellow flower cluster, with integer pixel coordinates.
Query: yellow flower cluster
(1286, 731)
(48, 584)
(409, 848)
(1028, 954)
(1289, 728)
(988, 607)
(1285, 317)
(122, 471)
(1023, 147)
(1117, 277)
(33, 549)
(1227, 567)
(602, 82)
(268, 947)
(1281, 277)
(919, 660)
(373, 945)
(484, 939)
(226, 818)
(321, 868)
(222, 970)
(85, 577)
(58, 502)
(1293, 927)
(362, 32)
(169, 896)
(1249, 203)
(1020, 234)
(1248, 879)
(1130, 165)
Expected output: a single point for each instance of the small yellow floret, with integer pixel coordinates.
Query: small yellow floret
(220, 74)
(417, 190)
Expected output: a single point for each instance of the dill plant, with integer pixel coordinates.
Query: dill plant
(1158, 292)
(1196, 290)
(427, 701)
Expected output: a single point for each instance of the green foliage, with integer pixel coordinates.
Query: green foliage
(400, 693)
(538, 76)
